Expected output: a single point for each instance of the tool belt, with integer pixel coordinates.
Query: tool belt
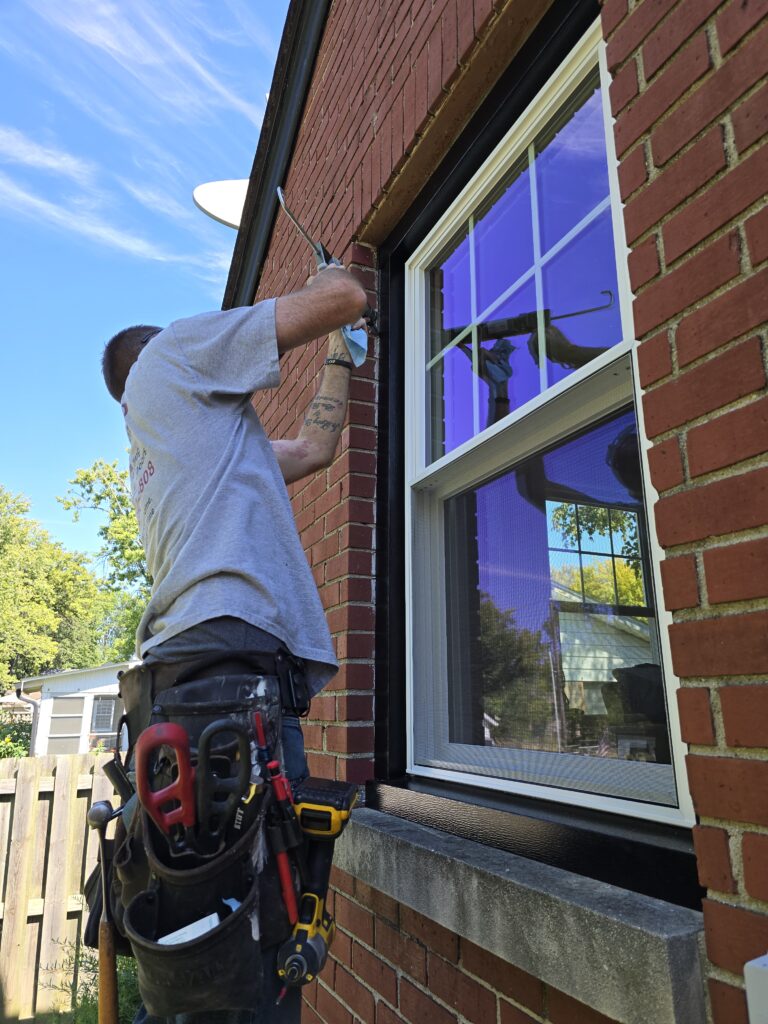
(140, 686)
(196, 902)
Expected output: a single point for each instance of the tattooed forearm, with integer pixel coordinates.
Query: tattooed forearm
(322, 404)
(320, 432)
(326, 412)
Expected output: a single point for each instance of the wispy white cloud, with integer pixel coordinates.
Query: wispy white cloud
(162, 97)
(18, 148)
(150, 50)
(84, 222)
(251, 26)
(160, 201)
(208, 264)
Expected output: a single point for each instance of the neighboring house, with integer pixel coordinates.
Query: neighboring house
(543, 548)
(15, 708)
(79, 709)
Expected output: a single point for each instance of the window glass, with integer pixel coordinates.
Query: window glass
(104, 717)
(525, 291)
(547, 598)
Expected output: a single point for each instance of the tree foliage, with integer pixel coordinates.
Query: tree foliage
(596, 521)
(54, 610)
(517, 683)
(15, 734)
(107, 489)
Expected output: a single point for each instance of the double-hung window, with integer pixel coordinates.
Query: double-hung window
(104, 714)
(536, 662)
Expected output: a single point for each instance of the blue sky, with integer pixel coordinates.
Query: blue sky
(111, 114)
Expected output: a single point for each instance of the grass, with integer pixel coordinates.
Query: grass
(82, 966)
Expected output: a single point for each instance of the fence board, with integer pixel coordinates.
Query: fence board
(14, 939)
(7, 779)
(46, 853)
(57, 929)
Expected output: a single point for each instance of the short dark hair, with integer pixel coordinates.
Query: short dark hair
(120, 353)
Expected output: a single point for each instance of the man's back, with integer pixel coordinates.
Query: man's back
(213, 510)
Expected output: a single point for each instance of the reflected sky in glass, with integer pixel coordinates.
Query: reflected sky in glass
(514, 517)
(490, 272)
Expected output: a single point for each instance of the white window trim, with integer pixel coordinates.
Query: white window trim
(580, 397)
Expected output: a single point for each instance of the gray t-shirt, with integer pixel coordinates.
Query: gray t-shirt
(213, 510)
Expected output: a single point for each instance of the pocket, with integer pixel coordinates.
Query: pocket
(219, 970)
(220, 967)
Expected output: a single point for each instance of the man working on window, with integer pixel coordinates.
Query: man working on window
(229, 572)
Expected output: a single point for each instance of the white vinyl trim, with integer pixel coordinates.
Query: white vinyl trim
(604, 385)
(663, 617)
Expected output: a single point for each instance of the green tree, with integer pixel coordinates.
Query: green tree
(517, 683)
(599, 581)
(596, 521)
(52, 605)
(15, 734)
(106, 489)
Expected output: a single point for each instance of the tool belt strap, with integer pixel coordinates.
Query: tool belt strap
(140, 685)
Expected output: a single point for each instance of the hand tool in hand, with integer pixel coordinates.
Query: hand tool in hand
(357, 341)
(99, 816)
(218, 794)
(172, 808)
(323, 808)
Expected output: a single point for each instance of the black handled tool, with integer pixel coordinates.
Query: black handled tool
(222, 779)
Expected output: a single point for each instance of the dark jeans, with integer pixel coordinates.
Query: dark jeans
(229, 634)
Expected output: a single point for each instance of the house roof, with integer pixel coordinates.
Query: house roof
(37, 682)
(299, 45)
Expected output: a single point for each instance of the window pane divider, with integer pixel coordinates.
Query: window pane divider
(539, 263)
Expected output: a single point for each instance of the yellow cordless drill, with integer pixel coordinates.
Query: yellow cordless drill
(323, 808)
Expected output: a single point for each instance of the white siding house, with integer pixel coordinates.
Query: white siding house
(78, 709)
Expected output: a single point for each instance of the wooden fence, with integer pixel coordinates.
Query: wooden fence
(46, 853)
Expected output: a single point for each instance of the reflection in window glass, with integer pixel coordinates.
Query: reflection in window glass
(525, 292)
(552, 641)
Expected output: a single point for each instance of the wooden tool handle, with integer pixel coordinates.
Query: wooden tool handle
(108, 1011)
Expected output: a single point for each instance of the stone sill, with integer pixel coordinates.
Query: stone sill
(633, 958)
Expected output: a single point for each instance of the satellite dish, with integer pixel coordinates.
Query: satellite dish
(222, 200)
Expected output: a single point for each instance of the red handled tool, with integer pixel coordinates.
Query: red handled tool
(262, 753)
(173, 805)
(284, 832)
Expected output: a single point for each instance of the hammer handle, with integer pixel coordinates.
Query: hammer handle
(108, 1011)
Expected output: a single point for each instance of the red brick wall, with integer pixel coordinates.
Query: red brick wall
(394, 83)
(691, 107)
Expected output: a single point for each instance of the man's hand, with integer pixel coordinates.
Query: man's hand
(331, 299)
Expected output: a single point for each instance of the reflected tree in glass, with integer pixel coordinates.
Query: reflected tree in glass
(517, 689)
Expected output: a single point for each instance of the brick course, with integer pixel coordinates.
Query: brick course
(714, 859)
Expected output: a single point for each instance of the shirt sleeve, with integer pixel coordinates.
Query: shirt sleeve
(234, 351)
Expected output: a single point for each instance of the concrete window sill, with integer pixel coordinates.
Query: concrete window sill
(633, 958)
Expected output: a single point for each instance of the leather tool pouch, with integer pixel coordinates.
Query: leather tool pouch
(154, 893)
(217, 970)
